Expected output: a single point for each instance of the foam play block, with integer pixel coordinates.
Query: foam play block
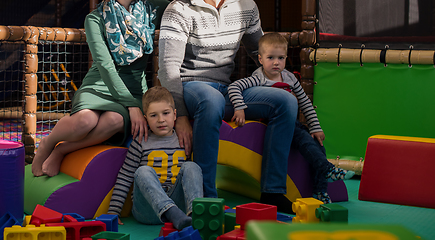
(239, 165)
(83, 186)
(399, 170)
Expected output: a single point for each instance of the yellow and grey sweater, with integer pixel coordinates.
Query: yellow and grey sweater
(199, 42)
(164, 154)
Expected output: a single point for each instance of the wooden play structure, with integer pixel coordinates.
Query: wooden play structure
(343, 106)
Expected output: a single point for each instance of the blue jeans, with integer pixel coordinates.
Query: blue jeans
(314, 154)
(208, 104)
(151, 201)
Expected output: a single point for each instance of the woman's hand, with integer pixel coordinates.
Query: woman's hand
(239, 117)
(139, 125)
(184, 133)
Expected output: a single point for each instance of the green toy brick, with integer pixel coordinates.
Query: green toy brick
(208, 217)
(257, 230)
(332, 212)
(230, 222)
(111, 236)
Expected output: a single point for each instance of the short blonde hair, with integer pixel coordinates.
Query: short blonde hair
(157, 94)
(272, 39)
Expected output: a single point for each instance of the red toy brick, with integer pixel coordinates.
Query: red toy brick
(42, 215)
(79, 230)
(166, 229)
(254, 211)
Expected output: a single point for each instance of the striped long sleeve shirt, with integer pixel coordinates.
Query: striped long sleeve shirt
(164, 154)
(258, 78)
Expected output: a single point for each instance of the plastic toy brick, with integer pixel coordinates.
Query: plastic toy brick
(236, 234)
(31, 232)
(187, 233)
(230, 222)
(283, 218)
(27, 220)
(111, 221)
(78, 217)
(305, 209)
(43, 214)
(332, 212)
(111, 236)
(166, 229)
(68, 218)
(7, 220)
(79, 230)
(254, 211)
(208, 217)
(257, 230)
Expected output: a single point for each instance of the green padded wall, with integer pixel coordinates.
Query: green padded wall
(355, 102)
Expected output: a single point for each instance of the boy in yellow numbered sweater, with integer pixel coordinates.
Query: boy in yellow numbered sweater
(165, 182)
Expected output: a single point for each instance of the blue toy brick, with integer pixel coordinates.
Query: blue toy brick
(187, 233)
(7, 220)
(283, 218)
(77, 216)
(110, 220)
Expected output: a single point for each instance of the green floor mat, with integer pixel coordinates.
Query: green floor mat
(421, 221)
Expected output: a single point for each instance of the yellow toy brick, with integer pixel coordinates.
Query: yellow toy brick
(27, 220)
(305, 209)
(30, 232)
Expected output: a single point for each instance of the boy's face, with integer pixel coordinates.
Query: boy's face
(273, 60)
(161, 117)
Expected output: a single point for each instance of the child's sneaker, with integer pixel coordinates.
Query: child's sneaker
(335, 174)
(322, 196)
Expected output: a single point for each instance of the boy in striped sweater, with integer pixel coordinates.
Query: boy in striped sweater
(309, 141)
(164, 180)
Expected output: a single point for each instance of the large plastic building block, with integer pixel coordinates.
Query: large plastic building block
(7, 220)
(76, 216)
(388, 176)
(166, 229)
(305, 209)
(257, 230)
(79, 230)
(27, 220)
(254, 211)
(230, 222)
(111, 221)
(31, 232)
(44, 215)
(187, 233)
(236, 234)
(111, 236)
(332, 212)
(283, 217)
(208, 217)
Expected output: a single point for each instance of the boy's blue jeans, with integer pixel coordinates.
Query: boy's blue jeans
(314, 154)
(208, 104)
(150, 200)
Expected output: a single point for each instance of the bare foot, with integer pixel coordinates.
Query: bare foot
(51, 166)
(41, 155)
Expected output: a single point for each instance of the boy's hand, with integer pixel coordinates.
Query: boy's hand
(239, 117)
(139, 125)
(320, 136)
(184, 133)
(119, 221)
